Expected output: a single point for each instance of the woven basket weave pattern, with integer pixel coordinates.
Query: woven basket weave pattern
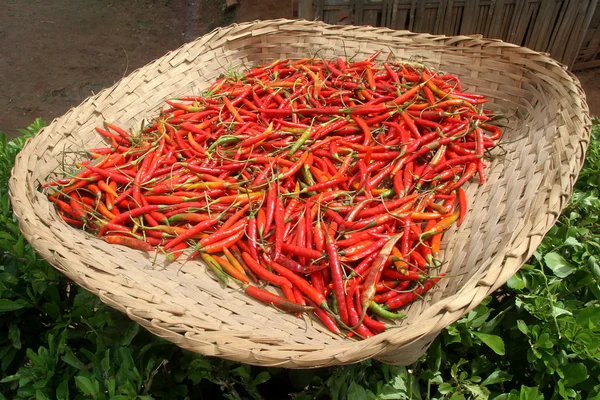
(530, 180)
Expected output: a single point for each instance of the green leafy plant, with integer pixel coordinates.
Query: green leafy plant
(538, 337)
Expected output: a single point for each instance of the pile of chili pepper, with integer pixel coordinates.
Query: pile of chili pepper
(330, 181)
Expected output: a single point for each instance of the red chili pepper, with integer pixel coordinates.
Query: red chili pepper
(301, 251)
(129, 242)
(355, 319)
(324, 316)
(301, 284)
(252, 237)
(481, 172)
(279, 227)
(401, 287)
(405, 298)
(339, 158)
(408, 276)
(376, 269)
(462, 201)
(336, 276)
(261, 221)
(278, 301)
(112, 174)
(386, 206)
(222, 233)
(264, 273)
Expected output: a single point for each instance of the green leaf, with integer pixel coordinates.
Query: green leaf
(478, 392)
(125, 358)
(20, 246)
(445, 388)
(105, 363)
(458, 396)
(530, 393)
(62, 391)
(131, 331)
(111, 384)
(593, 264)
(70, 358)
(35, 358)
(7, 236)
(9, 305)
(262, 377)
(587, 316)
(516, 282)
(498, 376)
(557, 311)
(39, 395)
(574, 373)
(11, 378)
(85, 385)
(8, 358)
(494, 342)
(558, 265)
(14, 334)
(356, 392)
(572, 242)
(522, 327)
(243, 371)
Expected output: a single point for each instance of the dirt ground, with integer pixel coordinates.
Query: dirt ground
(590, 81)
(54, 54)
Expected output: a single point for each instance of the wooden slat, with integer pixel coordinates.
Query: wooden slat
(540, 35)
(557, 24)
(567, 29)
(516, 17)
(497, 23)
(358, 12)
(306, 10)
(586, 65)
(588, 15)
(589, 49)
(523, 22)
(412, 14)
(420, 22)
(319, 9)
(400, 17)
(454, 12)
(484, 19)
(441, 17)
(468, 23)
(388, 8)
(593, 47)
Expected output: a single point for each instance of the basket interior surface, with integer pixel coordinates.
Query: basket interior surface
(529, 180)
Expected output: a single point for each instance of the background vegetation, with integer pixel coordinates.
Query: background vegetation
(538, 337)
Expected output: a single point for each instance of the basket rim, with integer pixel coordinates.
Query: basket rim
(22, 203)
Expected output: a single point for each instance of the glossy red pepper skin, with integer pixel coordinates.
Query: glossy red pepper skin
(332, 180)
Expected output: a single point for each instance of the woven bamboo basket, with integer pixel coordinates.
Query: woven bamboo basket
(530, 179)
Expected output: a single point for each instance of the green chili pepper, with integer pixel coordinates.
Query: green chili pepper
(382, 312)
(215, 267)
(305, 135)
(224, 140)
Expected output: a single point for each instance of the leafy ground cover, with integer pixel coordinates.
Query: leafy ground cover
(538, 337)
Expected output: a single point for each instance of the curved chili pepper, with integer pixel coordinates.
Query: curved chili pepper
(278, 301)
(376, 269)
(405, 298)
